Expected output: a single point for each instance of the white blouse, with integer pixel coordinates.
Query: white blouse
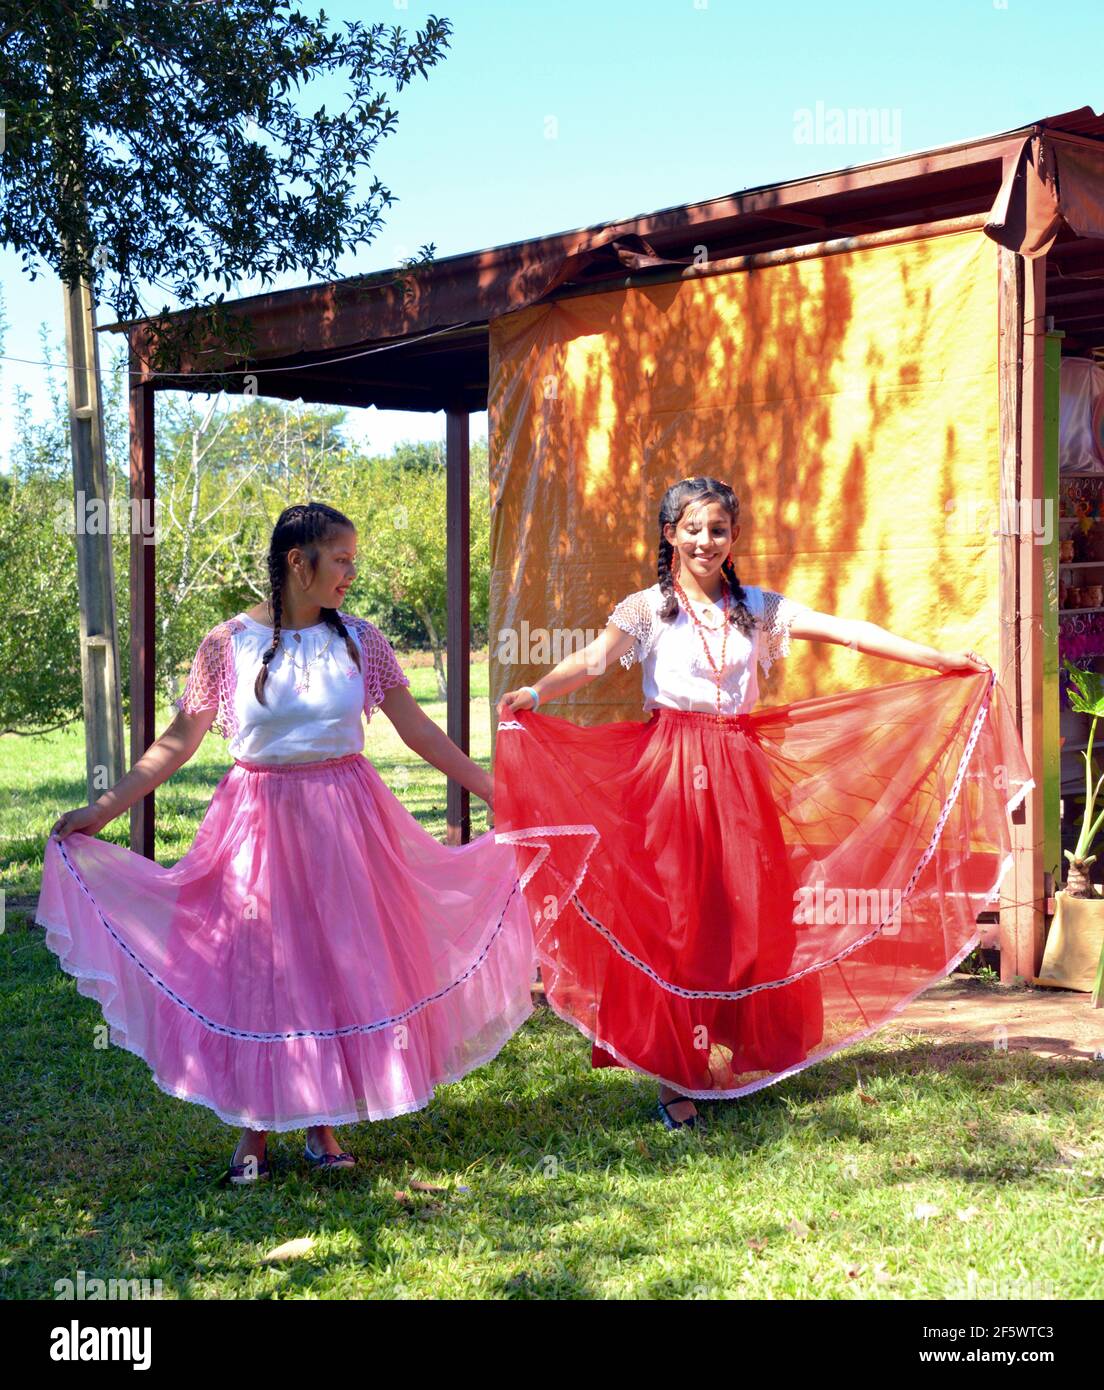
(676, 672)
(314, 695)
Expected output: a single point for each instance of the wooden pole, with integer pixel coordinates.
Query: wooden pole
(143, 635)
(1021, 376)
(1029, 836)
(94, 527)
(1050, 789)
(458, 569)
(93, 520)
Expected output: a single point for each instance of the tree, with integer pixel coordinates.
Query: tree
(143, 142)
(154, 143)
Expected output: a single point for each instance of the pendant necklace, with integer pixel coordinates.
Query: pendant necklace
(700, 625)
(303, 683)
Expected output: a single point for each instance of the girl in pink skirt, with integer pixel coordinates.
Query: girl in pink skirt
(316, 957)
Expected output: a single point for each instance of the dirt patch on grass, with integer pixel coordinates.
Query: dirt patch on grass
(1057, 1023)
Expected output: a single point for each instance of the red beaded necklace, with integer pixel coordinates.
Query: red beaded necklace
(718, 671)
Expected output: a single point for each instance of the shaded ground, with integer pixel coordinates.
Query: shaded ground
(1056, 1023)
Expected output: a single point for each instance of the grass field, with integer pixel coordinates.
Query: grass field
(898, 1169)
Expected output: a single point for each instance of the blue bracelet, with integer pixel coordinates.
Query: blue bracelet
(535, 693)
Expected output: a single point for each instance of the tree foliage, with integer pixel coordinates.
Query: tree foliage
(156, 143)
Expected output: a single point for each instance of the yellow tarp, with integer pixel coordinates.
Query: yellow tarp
(851, 403)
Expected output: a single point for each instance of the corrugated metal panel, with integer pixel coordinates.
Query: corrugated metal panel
(371, 341)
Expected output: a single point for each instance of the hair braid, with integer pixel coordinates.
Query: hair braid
(666, 577)
(739, 598)
(277, 569)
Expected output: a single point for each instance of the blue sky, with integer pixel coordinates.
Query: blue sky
(549, 116)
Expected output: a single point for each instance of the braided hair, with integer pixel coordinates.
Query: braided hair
(679, 496)
(303, 527)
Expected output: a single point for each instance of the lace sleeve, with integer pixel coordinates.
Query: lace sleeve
(634, 614)
(380, 664)
(779, 613)
(212, 678)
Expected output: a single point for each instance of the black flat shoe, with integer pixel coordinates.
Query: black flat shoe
(249, 1171)
(325, 1160)
(669, 1119)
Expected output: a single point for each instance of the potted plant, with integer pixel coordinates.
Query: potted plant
(1074, 954)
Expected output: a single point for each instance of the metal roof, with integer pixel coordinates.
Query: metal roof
(419, 340)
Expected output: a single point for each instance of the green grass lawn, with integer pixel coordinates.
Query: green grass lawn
(951, 1172)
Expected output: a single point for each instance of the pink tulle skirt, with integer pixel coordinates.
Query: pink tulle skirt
(316, 957)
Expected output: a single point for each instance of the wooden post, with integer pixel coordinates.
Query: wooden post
(1021, 356)
(458, 570)
(1047, 520)
(143, 641)
(93, 521)
(94, 527)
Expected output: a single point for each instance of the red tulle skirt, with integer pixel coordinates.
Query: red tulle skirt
(721, 901)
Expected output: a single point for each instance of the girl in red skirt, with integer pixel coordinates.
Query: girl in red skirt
(721, 895)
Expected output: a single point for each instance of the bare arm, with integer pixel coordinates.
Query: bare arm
(156, 765)
(574, 671)
(867, 637)
(429, 741)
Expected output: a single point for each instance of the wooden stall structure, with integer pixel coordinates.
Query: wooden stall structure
(435, 339)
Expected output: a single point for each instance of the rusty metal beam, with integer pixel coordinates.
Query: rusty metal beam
(458, 571)
(143, 560)
(814, 251)
(479, 285)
